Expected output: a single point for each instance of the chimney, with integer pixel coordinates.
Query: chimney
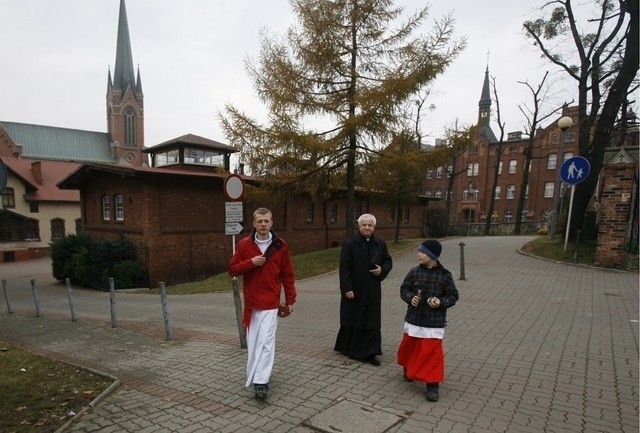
(36, 169)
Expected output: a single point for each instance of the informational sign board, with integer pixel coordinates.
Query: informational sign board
(574, 170)
(232, 228)
(233, 212)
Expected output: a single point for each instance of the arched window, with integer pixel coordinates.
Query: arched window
(129, 128)
(57, 228)
(334, 213)
(8, 199)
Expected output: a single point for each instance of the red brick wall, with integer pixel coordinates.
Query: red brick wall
(615, 209)
(181, 222)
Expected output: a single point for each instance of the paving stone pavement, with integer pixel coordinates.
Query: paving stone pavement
(532, 346)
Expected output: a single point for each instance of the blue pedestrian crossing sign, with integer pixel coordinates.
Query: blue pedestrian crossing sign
(574, 170)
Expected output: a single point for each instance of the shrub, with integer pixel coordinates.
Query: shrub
(88, 262)
(63, 251)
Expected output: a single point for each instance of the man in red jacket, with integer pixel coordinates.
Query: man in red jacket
(263, 259)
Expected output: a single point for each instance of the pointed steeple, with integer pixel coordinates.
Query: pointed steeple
(139, 83)
(123, 75)
(125, 101)
(484, 105)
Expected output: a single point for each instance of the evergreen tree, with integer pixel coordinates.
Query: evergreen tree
(333, 88)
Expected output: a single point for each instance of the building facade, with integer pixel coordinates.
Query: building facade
(473, 173)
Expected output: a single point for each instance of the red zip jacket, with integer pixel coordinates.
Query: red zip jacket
(262, 285)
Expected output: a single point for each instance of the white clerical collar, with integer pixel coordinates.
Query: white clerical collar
(263, 244)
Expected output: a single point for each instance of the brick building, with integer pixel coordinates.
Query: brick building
(176, 216)
(474, 172)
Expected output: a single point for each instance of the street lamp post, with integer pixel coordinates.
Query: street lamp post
(564, 123)
(470, 197)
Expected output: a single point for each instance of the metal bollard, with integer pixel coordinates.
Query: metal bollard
(165, 311)
(36, 299)
(112, 301)
(574, 258)
(6, 296)
(72, 305)
(462, 276)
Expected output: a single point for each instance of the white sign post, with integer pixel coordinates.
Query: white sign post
(234, 215)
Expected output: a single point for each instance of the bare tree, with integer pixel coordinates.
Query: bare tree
(496, 167)
(533, 118)
(602, 56)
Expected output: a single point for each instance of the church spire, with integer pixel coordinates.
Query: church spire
(125, 101)
(123, 75)
(484, 105)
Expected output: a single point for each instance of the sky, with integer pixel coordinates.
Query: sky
(191, 55)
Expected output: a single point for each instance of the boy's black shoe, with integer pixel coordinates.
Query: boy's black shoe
(433, 392)
(407, 378)
(261, 391)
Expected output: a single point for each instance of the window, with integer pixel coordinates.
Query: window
(428, 193)
(567, 155)
(33, 207)
(32, 230)
(500, 168)
(429, 174)
(549, 188)
(106, 208)
(438, 193)
(203, 157)
(166, 158)
(511, 192)
(496, 194)
(334, 213)
(8, 198)
(526, 191)
(310, 212)
(119, 205)
(57, 228)
(449, 170)
(473, 149)
(129, 128)
(552, 161)
(473, 168)
(439, 172)
(358, 210)
(508, 216)
(512, 166)
(470, 193)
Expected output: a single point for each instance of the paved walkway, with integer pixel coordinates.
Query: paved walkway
(532, 346)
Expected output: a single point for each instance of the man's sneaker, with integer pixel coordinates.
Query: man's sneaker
(433, 392)
(261, 391)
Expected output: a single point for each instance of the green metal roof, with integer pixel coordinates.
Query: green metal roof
(53, 143)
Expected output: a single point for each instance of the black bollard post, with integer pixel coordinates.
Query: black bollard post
(575, 250)
(462, 276)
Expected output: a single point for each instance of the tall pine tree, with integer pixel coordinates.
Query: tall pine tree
(333, 88)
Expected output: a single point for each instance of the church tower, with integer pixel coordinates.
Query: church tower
(125, 108)
(484, 105)
(484, 110)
